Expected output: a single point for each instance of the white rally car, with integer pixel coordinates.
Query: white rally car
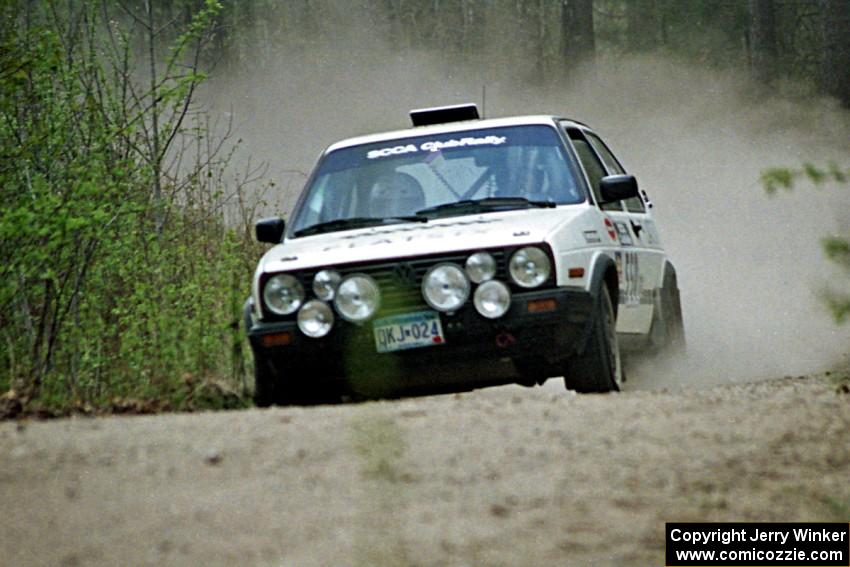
(457, 254)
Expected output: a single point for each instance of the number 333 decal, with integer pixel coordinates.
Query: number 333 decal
(628, 270)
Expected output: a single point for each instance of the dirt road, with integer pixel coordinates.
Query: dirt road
(506, 476)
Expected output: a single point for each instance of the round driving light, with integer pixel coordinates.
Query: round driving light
(529, 266)
(315, 319)
(445, 287)
(357, 298)
(325, 284)
(480, 267)
(492, 299)
(283, 294)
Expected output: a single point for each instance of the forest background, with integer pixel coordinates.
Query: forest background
(129, 181)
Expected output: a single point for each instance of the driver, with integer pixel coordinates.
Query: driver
(395, 194)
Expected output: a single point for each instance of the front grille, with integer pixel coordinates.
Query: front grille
(400, 280)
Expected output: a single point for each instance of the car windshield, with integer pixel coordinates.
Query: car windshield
(438, 175)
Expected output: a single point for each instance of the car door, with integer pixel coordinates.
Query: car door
(636, 220)
(635, 305)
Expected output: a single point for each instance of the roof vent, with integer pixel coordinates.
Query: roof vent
(443, 114)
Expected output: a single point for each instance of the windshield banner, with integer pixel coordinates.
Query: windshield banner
(437, 145)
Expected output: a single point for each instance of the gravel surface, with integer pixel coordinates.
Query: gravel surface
(504, 476)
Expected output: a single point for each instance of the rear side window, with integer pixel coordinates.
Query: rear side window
(633, 205)
(593, 166)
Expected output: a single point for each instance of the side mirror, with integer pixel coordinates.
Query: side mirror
(618, 188)
(269, 230)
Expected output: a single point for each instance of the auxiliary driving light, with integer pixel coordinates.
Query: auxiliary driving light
(492, 299)
(315, 319)
(445, 287)
(357, 298)
(325, 284)
(529, 267)
(283, 294)
(480, 267)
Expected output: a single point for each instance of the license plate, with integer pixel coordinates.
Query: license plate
(411, 330)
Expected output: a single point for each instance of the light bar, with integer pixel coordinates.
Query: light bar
(443, 114)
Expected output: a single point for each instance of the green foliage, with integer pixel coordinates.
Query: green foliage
(837, 249)
(776, 178)
(110, 290)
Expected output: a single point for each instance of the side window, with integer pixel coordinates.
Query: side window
(633, 205)
(593, 166)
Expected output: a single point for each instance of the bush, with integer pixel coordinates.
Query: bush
(118, 276)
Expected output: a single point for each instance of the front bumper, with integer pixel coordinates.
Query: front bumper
(477, 351)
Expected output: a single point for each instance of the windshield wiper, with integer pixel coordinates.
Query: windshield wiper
(488, 204)
(355, 222)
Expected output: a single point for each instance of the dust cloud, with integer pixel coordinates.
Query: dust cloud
(750, 267)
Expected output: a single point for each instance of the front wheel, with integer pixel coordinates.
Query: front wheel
(599, 368)
(265, 393)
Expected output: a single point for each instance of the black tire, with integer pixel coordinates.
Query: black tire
(287, 387)
(532, 372)
(272, 388)
(265, 393)
(264, 383)
(668, 329)
(599, 368)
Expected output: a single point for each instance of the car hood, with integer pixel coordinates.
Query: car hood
(405, 240)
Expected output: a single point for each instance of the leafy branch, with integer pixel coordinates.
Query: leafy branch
(836, 249)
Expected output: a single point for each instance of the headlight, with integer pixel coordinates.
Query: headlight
(357, 298)
(315, 319)
(529, 266)
(492, 299)
(480, 267)
(325, 284)
(445, 287)
(283, 294)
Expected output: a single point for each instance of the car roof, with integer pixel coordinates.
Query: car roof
(449, 127)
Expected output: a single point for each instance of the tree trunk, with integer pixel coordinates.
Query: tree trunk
(835, 49)
(578, 43)
(643, 24)
(528, 16)
(763, 40)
